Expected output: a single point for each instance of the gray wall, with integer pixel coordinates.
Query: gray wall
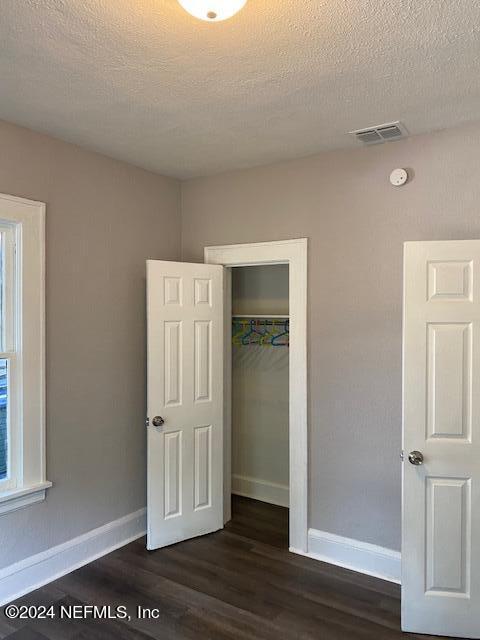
(104, 219)
(262, 289)
(356, 223)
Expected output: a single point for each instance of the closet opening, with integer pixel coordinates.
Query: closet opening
(260, 339)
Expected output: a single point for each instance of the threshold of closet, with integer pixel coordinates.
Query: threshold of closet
(259, 315)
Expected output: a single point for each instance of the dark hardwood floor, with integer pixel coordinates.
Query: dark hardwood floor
(240, 584)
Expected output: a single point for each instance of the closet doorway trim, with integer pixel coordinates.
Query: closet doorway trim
(295, 254)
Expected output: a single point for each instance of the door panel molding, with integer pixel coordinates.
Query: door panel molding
(448, 525)
(173, 474)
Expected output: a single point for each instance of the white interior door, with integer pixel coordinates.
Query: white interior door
(441, 497)
(185, 401)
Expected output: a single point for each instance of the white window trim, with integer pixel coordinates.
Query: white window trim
(27, 218)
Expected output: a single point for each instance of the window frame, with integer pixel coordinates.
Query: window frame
(9, 348)
(23, 345)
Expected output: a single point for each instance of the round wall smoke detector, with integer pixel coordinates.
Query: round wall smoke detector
(398, 177)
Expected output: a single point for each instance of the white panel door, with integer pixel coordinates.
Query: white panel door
(441, 416)
(185, 392)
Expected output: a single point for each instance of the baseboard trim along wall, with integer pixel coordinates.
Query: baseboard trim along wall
(260, 490)
(353, 554)
(33, 572)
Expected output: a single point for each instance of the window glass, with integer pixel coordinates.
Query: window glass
(2, 291)
(3, 418)
(7, 473)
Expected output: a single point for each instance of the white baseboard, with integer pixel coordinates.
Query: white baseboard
(33, 572)
(260, 490)
(353, 554)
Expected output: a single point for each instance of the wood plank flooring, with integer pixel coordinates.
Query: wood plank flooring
(238, 584)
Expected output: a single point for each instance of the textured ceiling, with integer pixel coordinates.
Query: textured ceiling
(143, 81)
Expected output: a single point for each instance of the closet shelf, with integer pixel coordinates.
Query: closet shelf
(260, 316)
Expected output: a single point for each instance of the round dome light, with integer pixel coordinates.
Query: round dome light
(212, 10)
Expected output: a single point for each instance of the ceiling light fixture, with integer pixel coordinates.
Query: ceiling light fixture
(212, 10)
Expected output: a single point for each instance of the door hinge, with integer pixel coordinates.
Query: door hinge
(147, 421)
(402, 456)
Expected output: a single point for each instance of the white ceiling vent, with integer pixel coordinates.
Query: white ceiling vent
(381, 133)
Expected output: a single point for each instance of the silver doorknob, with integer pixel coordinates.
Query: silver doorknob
(415, 457)
(158, 421)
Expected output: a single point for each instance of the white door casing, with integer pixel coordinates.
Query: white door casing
(185, 388)
(294, 253)
(441, 419)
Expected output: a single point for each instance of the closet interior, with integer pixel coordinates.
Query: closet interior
(260, 390)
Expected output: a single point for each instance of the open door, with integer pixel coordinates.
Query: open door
(185, 401)
(441, 471)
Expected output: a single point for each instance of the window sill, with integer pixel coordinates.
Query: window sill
(18, 498)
